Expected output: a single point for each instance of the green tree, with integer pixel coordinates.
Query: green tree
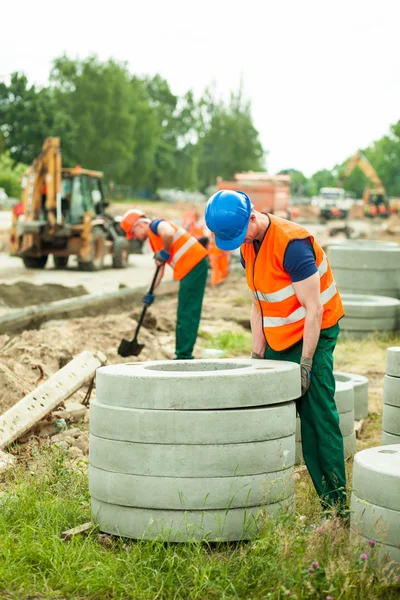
(230, 142)
(10, 175)
(100, 132)
(320, 179)
(27, 116)
(298, 182)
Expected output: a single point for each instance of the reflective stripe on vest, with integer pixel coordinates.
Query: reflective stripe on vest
(288, 291)
(182, 250)
(299, 313)
(185, 253)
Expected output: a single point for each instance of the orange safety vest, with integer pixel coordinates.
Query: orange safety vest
(219, 262)
(186, 252)
(282, 314)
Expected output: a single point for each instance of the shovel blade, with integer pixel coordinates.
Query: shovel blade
(129, 348)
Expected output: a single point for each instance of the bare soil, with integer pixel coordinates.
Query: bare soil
(57, 342)
(22, 293)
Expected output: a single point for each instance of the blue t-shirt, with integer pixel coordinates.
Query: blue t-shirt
(154, 225)
(299, 262)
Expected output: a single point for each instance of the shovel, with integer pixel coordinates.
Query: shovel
(133, 348)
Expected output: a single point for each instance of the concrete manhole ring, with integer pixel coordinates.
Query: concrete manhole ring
(198, 385)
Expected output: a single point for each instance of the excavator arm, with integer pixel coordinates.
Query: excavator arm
(43, 181)
(359, 160)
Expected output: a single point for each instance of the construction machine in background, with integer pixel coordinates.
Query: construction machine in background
(374, 198)
(62, 212)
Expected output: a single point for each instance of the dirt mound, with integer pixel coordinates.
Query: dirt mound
(21, 293)
(52, 347)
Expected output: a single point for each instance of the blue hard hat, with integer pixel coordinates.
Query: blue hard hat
(227, 216)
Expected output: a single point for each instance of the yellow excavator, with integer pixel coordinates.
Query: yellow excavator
(374, 198)
(62, 212)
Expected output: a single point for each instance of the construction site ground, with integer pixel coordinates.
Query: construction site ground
(32, 356)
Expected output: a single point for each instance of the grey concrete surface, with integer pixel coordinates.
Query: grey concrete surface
(391, 391)
(391, 419)
(192, 460)
(389, 439)
(393, 361)
(192, 427)
(190, 493)
(139, 272)
(198, 385)
(360, 384)
(181, 526)
(375, 522)
(376, 476)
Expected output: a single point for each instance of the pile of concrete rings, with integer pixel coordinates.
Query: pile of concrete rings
(367, 274)
(360, 384)
(344, 398)
(184, 450)
(391, 398)
(375, 503)
(365, 315)
(366, 267)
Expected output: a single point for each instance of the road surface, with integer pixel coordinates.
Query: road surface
(139, 272)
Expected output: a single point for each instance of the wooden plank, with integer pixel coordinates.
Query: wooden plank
(90, 304)
(31, 409)
(359, 428)
(69, 533)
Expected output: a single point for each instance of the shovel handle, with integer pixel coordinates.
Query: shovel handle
(145, 307)
(153, 283)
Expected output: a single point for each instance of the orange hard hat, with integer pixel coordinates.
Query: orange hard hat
(129, 219)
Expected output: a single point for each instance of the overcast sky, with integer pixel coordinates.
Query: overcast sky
(323, 76)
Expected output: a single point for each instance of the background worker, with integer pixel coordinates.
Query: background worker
(219, 262)
(172, 245)
(294, 316)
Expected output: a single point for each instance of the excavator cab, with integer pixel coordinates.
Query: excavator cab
(63, 213)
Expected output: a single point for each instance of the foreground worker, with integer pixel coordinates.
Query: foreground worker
(294, 317)
(172, 245)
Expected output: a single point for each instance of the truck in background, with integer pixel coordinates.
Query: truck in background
(268, 193)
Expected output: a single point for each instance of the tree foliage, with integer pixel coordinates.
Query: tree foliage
(134, 129)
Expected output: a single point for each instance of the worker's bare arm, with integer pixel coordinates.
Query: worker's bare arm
(308, 294)
(166, 232)
(159, 276)
(257, 332)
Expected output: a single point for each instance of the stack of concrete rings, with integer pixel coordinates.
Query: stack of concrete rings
(184, 450)
(366, 267)
(367, 314)
(360, 384)
(391, 398)
(344, 398)
(375, 501)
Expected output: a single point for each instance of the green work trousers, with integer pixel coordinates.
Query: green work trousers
(190, 300)
(322, 440)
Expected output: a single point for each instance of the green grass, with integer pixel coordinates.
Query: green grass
(42, 500)
(235, 344)
(44, 496)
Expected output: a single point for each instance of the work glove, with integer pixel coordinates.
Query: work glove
(256, 355)
(148, 299)
(305, 370)
(162, 256)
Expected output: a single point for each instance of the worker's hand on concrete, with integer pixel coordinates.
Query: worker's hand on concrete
(256, 355)
(305, 369)
(148, 299)
(161, 257)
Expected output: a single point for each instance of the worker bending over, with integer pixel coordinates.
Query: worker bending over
(295, 317)
(172, 245)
